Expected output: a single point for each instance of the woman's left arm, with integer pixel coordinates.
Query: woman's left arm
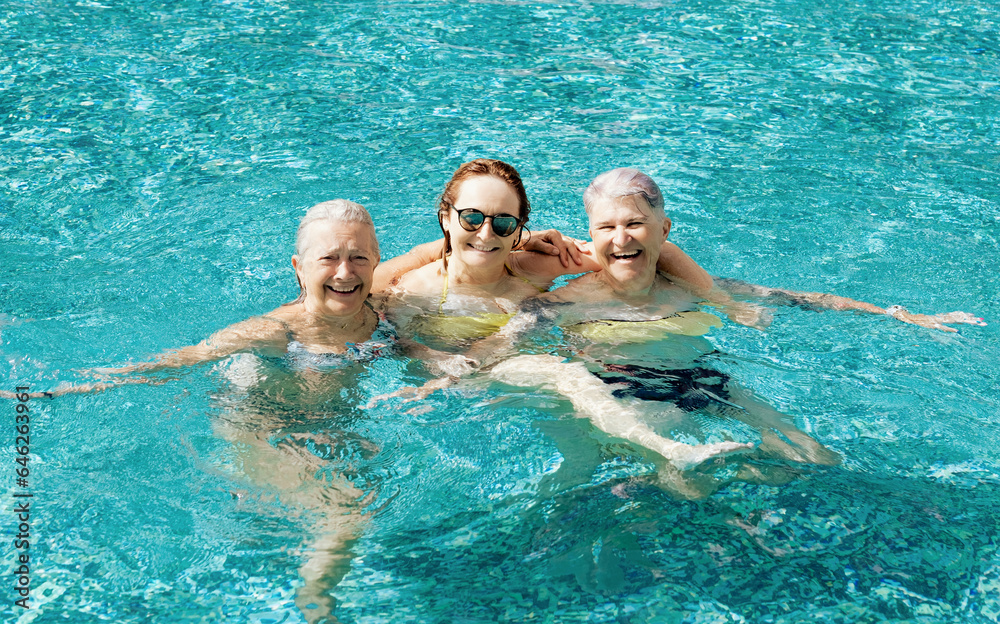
(388, 273)
(836, 302)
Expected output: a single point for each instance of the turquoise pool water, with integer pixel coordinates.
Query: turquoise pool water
(155, 158)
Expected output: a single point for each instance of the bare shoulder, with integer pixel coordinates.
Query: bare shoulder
(272, 327)
(583, 288)
(426, 279)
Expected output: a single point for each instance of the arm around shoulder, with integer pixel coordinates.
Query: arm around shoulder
(542, 269)
(388, 273)
(680, 266)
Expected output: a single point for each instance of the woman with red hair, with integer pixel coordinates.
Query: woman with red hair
(479, 278)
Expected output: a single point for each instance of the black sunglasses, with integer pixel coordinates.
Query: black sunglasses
(471, 219)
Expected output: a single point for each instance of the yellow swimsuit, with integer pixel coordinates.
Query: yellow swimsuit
(694, 323)
(463, 327)
(455, 328)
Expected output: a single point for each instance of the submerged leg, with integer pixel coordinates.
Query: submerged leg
(288, 470)
(592, 398)
(779, 435)
(700, 389)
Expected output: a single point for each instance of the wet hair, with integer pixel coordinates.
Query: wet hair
(480, 167)
(336, 211)
(623, 182)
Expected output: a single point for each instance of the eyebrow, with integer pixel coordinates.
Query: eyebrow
(483, 210)
(642, 219)
(350, 251)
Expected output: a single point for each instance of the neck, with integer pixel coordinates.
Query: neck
(339, 324)
(461, 273)
(638, 287)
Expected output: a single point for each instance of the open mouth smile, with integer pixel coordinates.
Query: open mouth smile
(626, 255)
(344, 291)
(482, 248)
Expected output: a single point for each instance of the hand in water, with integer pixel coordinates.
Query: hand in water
(936, 321)
(411, 393)
(749, 314)
(450, 365)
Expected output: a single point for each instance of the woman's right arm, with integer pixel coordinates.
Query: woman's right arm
(252, 333)
(260, 331)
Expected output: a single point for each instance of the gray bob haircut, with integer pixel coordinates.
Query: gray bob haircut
(623, 182)
(338, 211)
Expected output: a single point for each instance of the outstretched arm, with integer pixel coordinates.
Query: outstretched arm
(812, 300)
(248, 334)
(251, 333)
(261, 331)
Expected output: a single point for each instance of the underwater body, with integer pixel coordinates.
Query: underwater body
(155, 161)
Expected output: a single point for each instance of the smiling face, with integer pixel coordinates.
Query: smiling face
(336, 267)
(627, 235)
(482, 248)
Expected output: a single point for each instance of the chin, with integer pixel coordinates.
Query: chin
(629, 278)
(344, 308)
(478, 258)
(622, 274)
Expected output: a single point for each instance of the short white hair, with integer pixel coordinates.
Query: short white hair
(336, 211)
(623, 182)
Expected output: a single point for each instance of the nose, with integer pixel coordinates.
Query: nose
(485, 231)
(621, 237)
(344, 270)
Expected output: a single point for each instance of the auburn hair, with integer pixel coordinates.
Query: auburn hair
(474, 168)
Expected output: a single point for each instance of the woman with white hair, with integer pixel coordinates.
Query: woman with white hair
(625, 182)
(330, 325)
(480, 275)
(336, 253)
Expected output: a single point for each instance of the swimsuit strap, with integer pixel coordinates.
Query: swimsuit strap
(444, 294)
(444, 291)
(511, 272)
(531, 283)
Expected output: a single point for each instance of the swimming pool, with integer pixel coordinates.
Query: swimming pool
(155, 160)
